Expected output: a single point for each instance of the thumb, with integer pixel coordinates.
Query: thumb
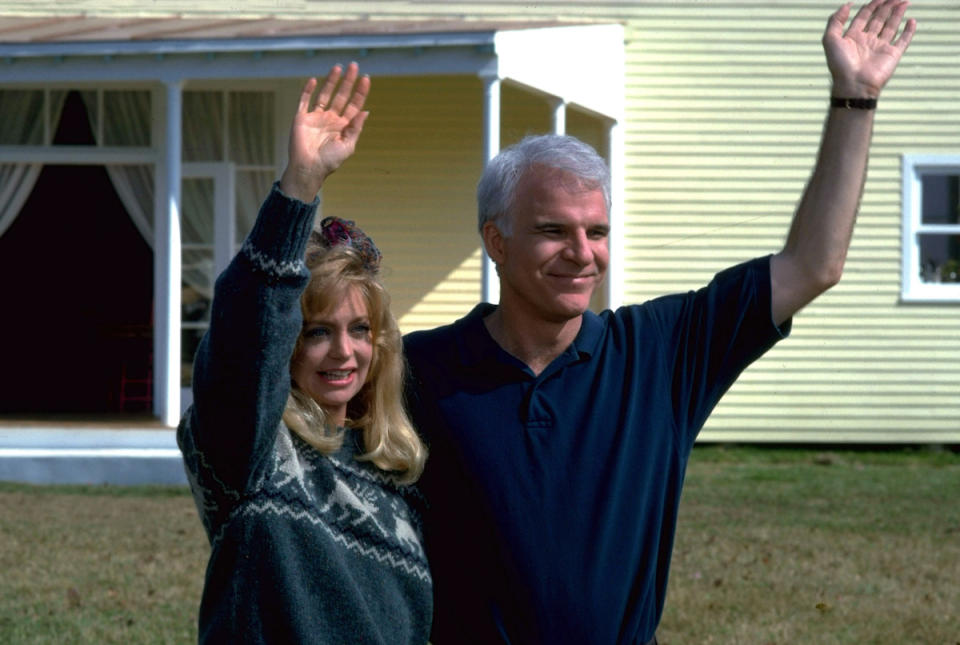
(351, 133)
(836, 22)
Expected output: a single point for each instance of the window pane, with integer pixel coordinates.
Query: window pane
(197, 210)
(252, 187)
(202, 126)
(251, 128)
(940, 197)
(126, 118)
(939, 258)
(22, 121)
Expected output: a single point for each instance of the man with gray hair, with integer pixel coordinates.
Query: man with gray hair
(559, 437)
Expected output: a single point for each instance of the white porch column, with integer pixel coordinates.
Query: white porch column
(491, 146)
(166, 264)
(616, 274)
(559, 107)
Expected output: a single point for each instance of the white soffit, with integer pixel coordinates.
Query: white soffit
(583, 65)
(579, 64)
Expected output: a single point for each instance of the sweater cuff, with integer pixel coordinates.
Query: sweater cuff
(278, 240)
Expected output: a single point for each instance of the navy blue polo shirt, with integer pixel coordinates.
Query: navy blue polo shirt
(553, 497)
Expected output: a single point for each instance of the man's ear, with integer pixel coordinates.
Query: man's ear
(493, 242)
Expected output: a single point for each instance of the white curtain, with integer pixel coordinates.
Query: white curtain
(247, 140)
(126, 122)
(251, 137)
(16, 183)
(22, 124)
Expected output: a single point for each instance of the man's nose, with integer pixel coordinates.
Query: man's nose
(579, 249)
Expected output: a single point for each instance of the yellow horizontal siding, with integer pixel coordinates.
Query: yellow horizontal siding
(723, 130)
(411, 186)
(725, 102)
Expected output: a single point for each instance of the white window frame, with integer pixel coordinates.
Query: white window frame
(912, 288)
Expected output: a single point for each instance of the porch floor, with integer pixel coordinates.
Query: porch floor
(89, 449)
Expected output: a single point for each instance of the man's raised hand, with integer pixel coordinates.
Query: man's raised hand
(863, 59)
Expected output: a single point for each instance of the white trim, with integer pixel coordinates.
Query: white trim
(559, 115)
(223, 174)
(167, 276)
(172, 47)
(616, 269)
(580, 64)
(912, 288)
(103, 453)
(78, 155)
(490, 289)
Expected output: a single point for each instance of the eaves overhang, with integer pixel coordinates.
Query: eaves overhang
(580, 64)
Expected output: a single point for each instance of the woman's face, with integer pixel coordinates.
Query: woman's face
(335, 354)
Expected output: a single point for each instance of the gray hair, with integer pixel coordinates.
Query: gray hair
(496, 192)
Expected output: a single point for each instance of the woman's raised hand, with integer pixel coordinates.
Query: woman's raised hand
(323, 136)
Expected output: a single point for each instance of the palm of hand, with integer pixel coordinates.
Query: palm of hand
(862, 58)
(317, 141)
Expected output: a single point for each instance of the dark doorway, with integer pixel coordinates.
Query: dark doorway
(77, 292)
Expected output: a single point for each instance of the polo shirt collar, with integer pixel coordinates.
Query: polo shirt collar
(477, 345)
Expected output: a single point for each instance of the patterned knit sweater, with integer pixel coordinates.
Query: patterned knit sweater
(305, 548)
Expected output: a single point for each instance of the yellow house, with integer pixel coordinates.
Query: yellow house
(137, 140)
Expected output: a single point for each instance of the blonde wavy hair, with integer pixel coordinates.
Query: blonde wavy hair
(389, 439)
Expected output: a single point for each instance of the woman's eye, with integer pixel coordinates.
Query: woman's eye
(316, 332)
(361, 329)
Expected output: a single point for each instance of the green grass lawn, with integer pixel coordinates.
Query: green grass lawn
(774, 546)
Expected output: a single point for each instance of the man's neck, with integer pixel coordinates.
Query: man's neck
(535, 342)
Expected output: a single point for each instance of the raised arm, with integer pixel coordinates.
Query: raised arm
(325, 131)
(861, 61)
(241, 370)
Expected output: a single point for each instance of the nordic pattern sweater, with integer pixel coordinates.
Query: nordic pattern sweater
(305, 547)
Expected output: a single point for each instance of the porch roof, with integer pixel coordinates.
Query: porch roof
(538, 55)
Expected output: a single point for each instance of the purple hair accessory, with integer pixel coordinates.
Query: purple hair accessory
(335, 231)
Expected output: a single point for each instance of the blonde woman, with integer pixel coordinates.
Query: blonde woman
(297, 447)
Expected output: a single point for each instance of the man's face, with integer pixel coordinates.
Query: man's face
(557, 252)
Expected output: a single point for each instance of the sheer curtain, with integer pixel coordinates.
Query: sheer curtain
(126, 122)
(22, 124)
(251, 137)
(217, 127)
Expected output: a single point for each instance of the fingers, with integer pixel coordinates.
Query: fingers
(880, 18)
(863, 16)
(357, 98)
(345, 96)
(306, 95)
(908, 31)
(329, 85)
(836, 22)
(345, 90)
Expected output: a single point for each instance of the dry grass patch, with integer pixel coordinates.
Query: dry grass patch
(778, 547)
(99, 565)
(774, 547)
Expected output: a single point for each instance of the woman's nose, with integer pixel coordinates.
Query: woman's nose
(340, 345)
